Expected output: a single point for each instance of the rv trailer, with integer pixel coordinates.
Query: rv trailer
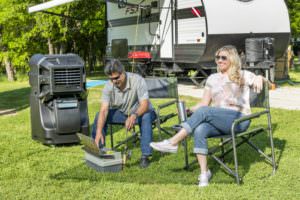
(179, 35)
(188, 32)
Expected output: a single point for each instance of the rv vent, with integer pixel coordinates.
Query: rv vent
(67, 77)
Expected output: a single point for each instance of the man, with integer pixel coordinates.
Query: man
(125, 100)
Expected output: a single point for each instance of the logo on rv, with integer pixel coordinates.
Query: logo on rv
(131, 10)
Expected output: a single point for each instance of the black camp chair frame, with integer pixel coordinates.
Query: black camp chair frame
(158, 88)
(262, 101)
(163, 88)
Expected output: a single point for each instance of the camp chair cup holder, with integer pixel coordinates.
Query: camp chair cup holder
(182, 111)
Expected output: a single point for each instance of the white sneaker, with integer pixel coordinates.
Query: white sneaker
(204, 179)
(164, 146)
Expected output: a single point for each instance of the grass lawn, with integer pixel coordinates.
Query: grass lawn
(30, 170)
(294, 77)
(294, 73)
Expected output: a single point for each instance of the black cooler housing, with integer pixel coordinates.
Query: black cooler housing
(58, 98)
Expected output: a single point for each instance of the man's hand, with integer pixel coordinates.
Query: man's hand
(130, 121)
(99, 138)
(101, 121)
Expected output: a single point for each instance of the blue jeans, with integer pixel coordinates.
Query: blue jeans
(144, 121)
(211, 121)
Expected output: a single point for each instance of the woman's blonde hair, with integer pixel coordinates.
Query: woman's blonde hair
(234, 71)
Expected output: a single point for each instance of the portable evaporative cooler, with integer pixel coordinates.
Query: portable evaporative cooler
(58, 99)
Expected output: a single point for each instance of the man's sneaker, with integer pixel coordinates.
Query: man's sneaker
(164, 146)
(204, 179)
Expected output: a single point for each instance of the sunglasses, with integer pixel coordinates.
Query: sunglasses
(221, 57)
(115, 78)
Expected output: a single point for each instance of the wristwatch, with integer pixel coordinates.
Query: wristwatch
(136, 115)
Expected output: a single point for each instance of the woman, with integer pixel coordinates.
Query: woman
(227, 91)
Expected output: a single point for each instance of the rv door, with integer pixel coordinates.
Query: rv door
(166, 29)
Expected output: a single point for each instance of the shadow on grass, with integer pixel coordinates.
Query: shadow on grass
(156, 173)
(15, 99)
(170, 171)
(247, 156)
(169, 168)
(130, 174)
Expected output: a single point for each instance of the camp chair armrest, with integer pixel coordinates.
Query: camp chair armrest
(245, 118)
(166, 104)
(248, 117)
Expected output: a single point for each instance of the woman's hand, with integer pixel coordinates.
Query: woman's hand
(194, 108)
(258, 83)
(189, 112)
(205, 101)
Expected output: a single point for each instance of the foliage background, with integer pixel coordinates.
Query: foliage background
(294, 12)
(77, 27)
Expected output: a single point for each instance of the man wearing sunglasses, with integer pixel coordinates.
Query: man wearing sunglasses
(125, 100)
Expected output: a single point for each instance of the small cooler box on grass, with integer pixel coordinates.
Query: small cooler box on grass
(101, 164)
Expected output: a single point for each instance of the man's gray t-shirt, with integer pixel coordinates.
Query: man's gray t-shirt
(127, 101)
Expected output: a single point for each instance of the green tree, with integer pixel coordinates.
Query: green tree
(294, 12)
(77, 27)
(16, 34)
(20, 37)
(87, 31)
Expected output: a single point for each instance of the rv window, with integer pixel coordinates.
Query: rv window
(119, 48)
(154, 4)
(145, 13)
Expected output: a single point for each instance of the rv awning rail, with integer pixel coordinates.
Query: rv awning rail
(55, 3)
(47, 5)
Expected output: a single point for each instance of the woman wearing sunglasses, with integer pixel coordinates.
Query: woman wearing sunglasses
(225, 98)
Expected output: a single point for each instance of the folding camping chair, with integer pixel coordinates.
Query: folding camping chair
(158, 88)
(163, 88)
(234, 140)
